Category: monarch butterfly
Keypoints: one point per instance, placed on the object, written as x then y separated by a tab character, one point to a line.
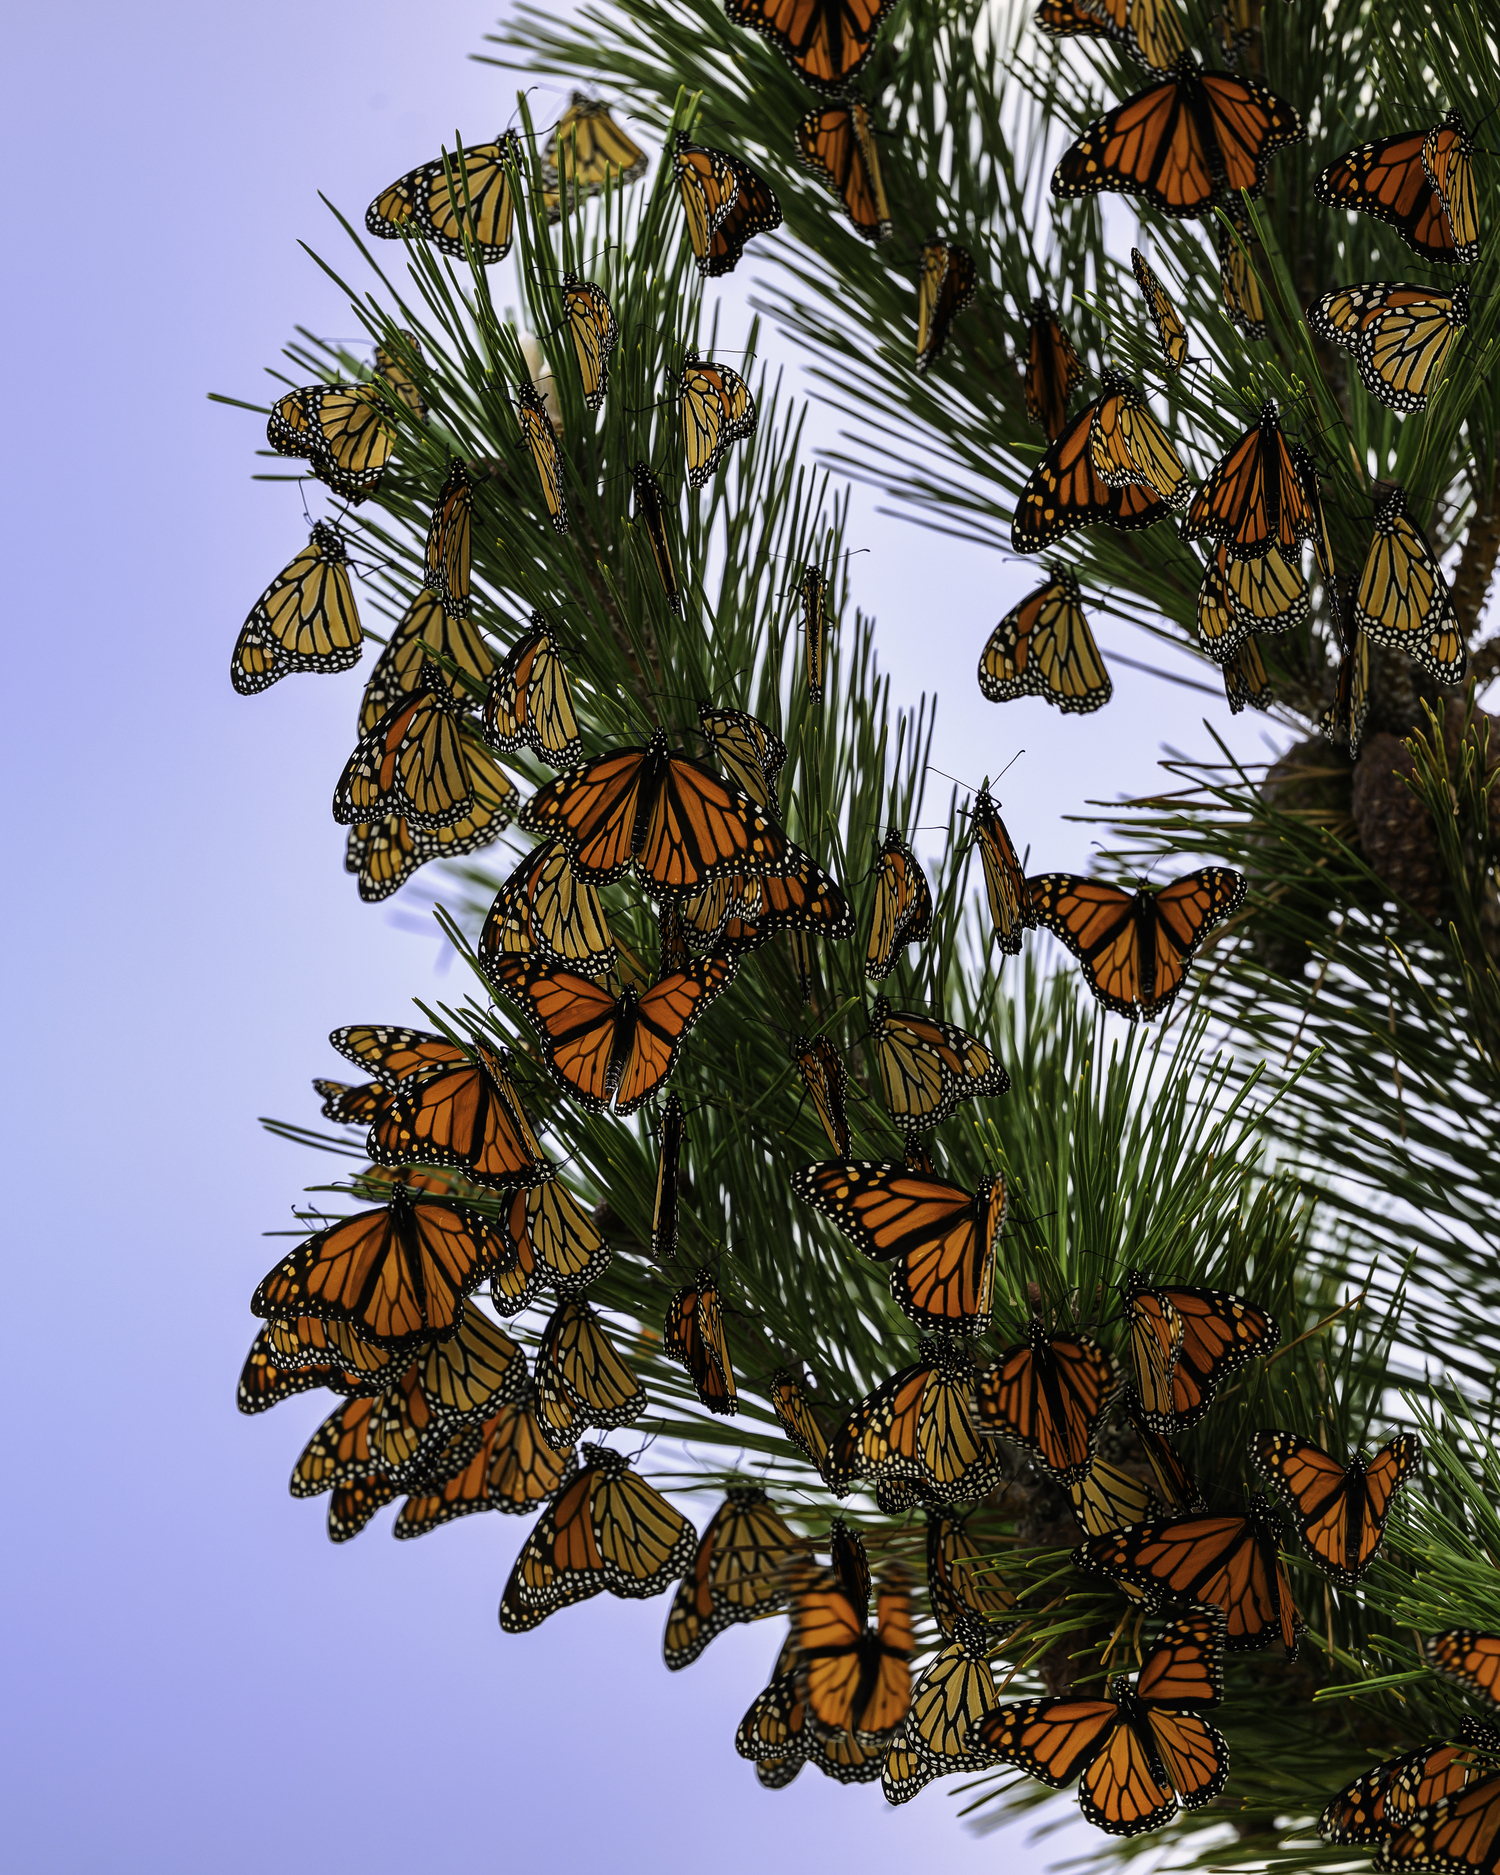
914	1435
1420	182
814	591
264	1383
775	1733
1175	1484
448	535
414	762
580	1379
946	283
901	910
405	1433
1237	597
1239	282
1043	648
394	1054
1171	333
1049	1396
1004	882
357	1366
790	1403
956	1691
546	458
467	1116
1464	1655
664	1210
1254	498
607	1529
1183	142
1053	370
938	1238
343	430
1065	492
1245	681
717	410
587	152
823	1074
1148	29
694	1335
1128	446
1399	335
828	41
305	620
462	203
746	750
927	1067
725	202
1403	600
385	853
954	1587
1106	1498
838	146
735	1576
651	510
1383	1799
1339	1511
671	816
606	1050
739	914
551	1241
1183	1342
1455	1832
530	701
514	1470
591	324
466	1378
393	362
425	631
1343	722
341	1451
1141	1752
1226	1562
544	908
854	1680
1135	947
397	1275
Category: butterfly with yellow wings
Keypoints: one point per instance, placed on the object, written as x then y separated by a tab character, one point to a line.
338	1456
1171	333
946	283
396	1275
1147	29
1141	1752
793	1409
1175	1484
1239	282
395	359
592	328
606	1530
1238	597
541	445
725	204
552	1242
746	750
1127	445
735	1576
1421	182
344	431
1340	1511
928	1067
1245	681
305	620
1386	1797
426	631
837	144
1184	1342
1254	498
580	1378
954	1694
463	203
1403	600
415	762
448	537
586	153
301	1341
1065	492
901	911
1470	1658
1108	1498
855	1679
651	512
530	701
1043	648
825	1077
913	1437
694	1335
1053	370
955	1586
938	1238
813	591
454	1383
468	1117
1135	947
1049	1396
513	1471
1398	335
383	854
1182	143
717	410
828	41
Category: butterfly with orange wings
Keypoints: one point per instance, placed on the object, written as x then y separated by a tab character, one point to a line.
1053	369
1227	1562
939	1239
530	701
855	1679
1044	648
1049	1396
1147	29
837	143
913	1436
1340	1512
793	1408
826	1079
1421	182
694	1335
1255	497
1135	947
1065	492
946	284
737	1574
1004	882
1384	1798
725	203
828	41
468	1117
514	1470
1184	1342
1471	1658
1456	1832
901	911
1182	144
552	1242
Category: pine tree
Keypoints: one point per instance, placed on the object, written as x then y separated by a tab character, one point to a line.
1316	1128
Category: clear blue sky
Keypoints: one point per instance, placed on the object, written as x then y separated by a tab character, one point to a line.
198	1680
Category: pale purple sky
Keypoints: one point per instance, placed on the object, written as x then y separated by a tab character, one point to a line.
198	1681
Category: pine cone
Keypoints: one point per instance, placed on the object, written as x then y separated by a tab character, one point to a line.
1395	829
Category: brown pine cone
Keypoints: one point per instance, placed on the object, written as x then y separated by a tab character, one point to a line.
1395	830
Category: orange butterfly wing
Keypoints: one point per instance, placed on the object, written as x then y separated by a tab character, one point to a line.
1049	1396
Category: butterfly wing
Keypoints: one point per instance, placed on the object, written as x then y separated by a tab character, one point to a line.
837	145
1107	1499
954	1585
1171	333
1100	925
1388	181
1044	648
828	41
1051	1740
1403	599
546	458
901	911
1184	913
1048	1396
305	620
651	510
663	1018
794	1411
1448	164
1053	371
580	1378
1152	145
466	203
717	410
1465	1655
